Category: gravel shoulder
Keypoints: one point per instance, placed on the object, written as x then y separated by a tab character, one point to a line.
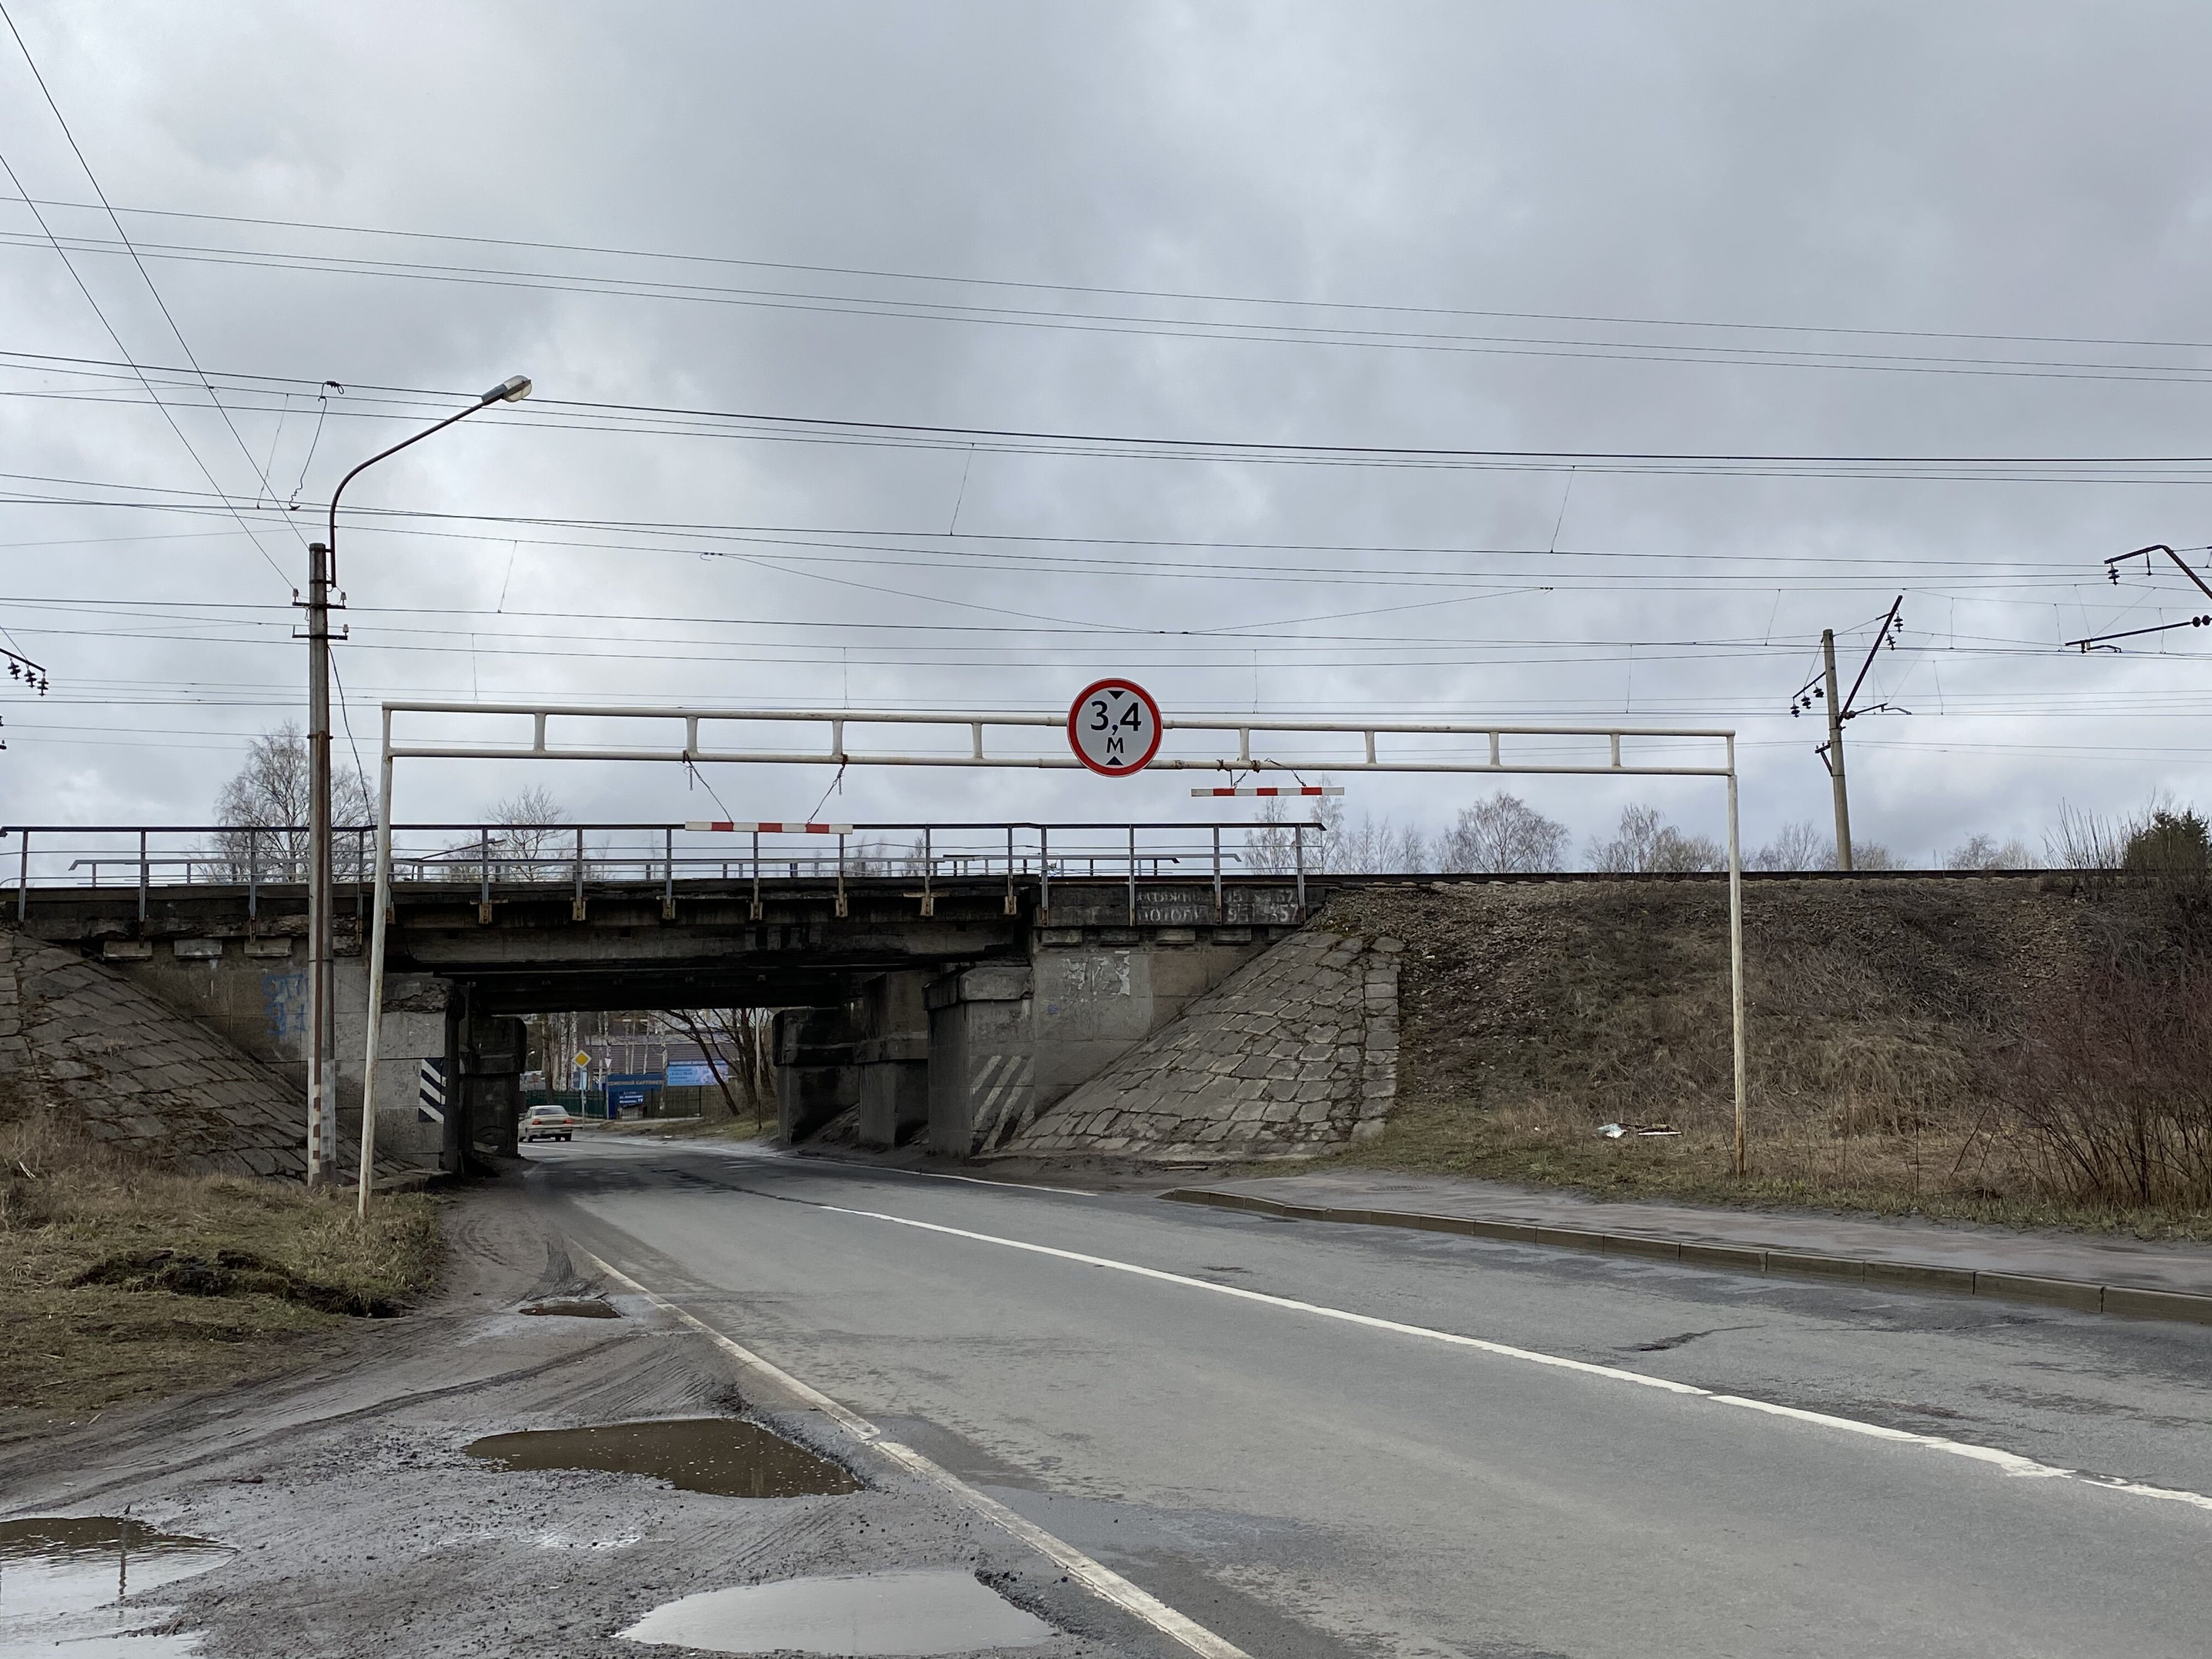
361	1527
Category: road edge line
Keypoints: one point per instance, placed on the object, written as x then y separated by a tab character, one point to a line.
1096	1577
2083	1296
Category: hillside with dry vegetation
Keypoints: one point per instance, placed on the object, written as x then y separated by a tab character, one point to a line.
2024	1049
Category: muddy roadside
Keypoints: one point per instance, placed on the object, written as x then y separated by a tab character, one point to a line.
354	1520
123	1281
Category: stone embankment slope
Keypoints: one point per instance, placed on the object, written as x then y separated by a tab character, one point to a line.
1295	1053
1880	1015
78	1038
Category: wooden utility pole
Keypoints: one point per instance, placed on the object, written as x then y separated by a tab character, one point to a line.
1836	752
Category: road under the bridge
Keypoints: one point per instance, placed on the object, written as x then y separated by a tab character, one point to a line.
1476	1461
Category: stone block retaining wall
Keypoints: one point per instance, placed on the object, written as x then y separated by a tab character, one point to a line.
1296	1053
77	1035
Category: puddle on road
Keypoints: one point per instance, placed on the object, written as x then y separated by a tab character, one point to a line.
77	1585
935	1611
578	1308
725	1456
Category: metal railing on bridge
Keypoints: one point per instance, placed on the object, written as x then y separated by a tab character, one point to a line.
74	858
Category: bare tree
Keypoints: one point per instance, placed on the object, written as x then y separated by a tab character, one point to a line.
1980	852
1267	845
735	1043
1799	846
1646	844
1796	845
1275	846
1376	847
1502	835
695	1031
873	855
269	792
530	840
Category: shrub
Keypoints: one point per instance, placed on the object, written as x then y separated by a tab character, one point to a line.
2169	843
2113	1084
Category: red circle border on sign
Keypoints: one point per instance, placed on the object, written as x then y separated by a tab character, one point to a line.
1159	727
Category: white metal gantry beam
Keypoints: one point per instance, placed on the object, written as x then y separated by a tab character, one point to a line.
974	728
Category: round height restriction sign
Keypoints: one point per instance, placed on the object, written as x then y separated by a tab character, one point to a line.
1114	728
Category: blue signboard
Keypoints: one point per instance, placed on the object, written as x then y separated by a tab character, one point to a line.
695	1073
626	1096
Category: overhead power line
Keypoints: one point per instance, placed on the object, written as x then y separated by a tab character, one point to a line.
810	432
1124	291
1672	348
905	543
145	275
82	287
672	420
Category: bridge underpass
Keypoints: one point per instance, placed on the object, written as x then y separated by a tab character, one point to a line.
948	989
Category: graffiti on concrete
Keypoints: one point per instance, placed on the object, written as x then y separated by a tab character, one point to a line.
285	998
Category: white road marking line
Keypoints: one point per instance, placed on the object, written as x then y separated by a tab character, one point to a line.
2011	1462
1096	1577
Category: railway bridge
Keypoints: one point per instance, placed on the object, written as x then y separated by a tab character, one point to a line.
942	980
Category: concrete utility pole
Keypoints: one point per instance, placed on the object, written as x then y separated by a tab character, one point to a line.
1836	752
1840	710
322	1107
322	1072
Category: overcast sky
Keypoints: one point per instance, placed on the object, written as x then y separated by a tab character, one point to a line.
1929	281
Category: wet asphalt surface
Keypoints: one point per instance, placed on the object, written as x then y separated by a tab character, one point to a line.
1303	1487
359	1527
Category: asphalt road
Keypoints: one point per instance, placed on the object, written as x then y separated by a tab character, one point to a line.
1306	1484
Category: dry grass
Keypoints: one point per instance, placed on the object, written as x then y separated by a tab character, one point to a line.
1885	1020
68	1206
723	1128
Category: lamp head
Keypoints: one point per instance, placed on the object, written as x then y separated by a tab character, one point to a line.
513	389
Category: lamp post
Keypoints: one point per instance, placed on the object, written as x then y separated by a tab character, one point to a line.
322	573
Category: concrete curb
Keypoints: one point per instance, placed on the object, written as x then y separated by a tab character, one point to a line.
2129	1301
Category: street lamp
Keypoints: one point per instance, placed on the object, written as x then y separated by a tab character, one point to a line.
322	571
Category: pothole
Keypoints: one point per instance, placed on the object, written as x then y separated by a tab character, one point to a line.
575	1308
77	1584
925	1612
725	1456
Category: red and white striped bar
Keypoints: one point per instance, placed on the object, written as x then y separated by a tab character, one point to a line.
1308	789
771	828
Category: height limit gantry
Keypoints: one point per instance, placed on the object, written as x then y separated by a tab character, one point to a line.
974	728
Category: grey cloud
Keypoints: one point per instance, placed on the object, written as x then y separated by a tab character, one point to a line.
2025	169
